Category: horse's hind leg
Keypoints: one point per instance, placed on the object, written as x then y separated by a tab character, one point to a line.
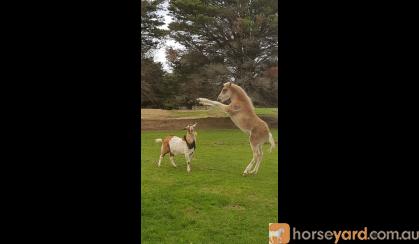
250	165
258	161
246	171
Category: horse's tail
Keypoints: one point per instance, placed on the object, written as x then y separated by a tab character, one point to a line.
271	141
158	140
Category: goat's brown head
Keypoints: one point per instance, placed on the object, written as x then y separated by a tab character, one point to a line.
191	129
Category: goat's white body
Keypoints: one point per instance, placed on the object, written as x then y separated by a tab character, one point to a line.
178	146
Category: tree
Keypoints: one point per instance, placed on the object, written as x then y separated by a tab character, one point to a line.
152	76
195	75
152	73
240	35
151	22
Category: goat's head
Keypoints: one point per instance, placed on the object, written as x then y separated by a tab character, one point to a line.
225	93
191	129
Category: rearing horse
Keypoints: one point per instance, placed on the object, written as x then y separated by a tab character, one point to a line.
242	113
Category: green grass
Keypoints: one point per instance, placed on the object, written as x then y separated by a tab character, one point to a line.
212	112
214	203
267	111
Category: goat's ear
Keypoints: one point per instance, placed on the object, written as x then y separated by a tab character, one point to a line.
194	124
228	84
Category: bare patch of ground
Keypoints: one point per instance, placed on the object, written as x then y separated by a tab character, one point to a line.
159	119
204	123
154	113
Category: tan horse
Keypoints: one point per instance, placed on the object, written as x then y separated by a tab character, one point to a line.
242	113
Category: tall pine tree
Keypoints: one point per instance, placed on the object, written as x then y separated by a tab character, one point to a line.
240	36
151	73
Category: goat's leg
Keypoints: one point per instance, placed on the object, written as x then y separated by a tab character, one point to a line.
163	151
188	162
172	160
160	159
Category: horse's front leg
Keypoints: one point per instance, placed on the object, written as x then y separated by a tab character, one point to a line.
216	104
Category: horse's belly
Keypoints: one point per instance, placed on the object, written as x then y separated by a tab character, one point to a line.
241	124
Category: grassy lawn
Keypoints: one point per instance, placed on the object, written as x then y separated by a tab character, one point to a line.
214	203
267	111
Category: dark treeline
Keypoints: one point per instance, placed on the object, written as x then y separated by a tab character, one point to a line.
223	40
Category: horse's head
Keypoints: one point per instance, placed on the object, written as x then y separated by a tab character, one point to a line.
225	93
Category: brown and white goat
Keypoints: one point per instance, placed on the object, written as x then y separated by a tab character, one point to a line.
175	145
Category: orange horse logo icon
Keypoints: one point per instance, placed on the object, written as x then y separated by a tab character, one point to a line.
279	233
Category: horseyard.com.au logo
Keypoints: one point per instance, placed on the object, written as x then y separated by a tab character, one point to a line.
279	233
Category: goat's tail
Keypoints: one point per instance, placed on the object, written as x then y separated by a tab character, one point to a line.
271	141
158	140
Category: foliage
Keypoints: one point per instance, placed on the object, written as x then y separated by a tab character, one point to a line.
150	23
227	40
152	73
223	40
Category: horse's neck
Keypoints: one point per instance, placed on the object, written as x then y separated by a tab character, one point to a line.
241	103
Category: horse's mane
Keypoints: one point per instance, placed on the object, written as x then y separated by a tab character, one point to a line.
242	95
